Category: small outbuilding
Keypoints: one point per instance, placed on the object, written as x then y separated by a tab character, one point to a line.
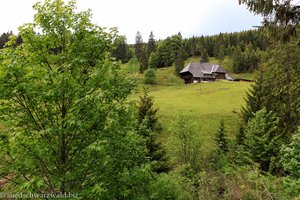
199	71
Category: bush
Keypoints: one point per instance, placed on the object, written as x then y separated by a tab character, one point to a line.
149	76
170	186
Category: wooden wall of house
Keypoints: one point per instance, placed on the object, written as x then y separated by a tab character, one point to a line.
188	77
220	75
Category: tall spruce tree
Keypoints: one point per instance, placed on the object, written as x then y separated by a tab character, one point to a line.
281	17
254	97
179	59
277	88
149	127
151	45
140	52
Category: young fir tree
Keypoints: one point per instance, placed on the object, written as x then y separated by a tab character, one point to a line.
149	76
221	138
263	140
240	137
153	61
204	56
148	127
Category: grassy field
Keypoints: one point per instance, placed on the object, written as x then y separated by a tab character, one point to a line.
205	103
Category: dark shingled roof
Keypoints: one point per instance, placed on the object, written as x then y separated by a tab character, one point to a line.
204	70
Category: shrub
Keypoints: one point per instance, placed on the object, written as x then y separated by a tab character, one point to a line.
149	76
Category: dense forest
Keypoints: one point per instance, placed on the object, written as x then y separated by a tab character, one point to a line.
243	47
68	126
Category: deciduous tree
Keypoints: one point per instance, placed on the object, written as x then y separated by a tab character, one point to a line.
66	127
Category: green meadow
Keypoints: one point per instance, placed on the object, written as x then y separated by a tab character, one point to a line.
205	103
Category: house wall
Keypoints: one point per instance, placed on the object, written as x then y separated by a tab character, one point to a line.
188	77
220	75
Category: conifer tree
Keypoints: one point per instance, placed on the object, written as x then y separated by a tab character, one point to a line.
277	88
291	156
120	49
204	56
263	140
151	45
179	59
221	53
238	60
240	137
149	76
140	52
4	38
149	128
254	97
221	138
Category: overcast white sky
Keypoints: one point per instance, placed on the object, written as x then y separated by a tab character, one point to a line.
163	17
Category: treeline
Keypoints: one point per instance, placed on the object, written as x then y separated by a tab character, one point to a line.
4	38
244	48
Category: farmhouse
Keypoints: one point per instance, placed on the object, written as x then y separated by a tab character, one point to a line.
199	71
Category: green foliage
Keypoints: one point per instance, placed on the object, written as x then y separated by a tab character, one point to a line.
149	76
290	159
4	38
171	187
153	61
179	60
277	88
221	53
291	156
238	60
168	49
66	125
221	138
263	140
254	98
121	50
140	52
147	111
151	45
132	65
204	56
186	145
225	43
247	183
240	136
281	17
149	128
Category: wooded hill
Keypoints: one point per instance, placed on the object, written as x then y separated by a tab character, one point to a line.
68	125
